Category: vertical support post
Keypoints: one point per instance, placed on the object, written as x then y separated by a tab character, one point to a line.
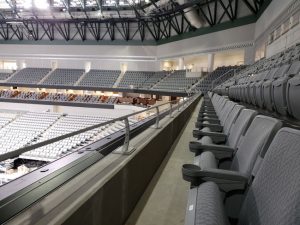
157	118
127	133
171	109
210	61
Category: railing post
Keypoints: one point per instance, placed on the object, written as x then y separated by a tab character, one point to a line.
178	107
157	118
127	133
171	110
125	149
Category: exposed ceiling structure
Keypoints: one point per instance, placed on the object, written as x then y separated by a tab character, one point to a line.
119	21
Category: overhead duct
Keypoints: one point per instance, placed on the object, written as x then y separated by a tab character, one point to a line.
192	15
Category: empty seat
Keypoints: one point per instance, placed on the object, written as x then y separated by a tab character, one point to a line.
273	197
267	87
279	88
243	152
293	93
259	100
221	137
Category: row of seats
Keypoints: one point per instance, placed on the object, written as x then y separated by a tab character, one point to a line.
100	78
20	130
29	75
220	74
176	81
4	75
135	79
64	97
273	86
163	80
245	169
63	77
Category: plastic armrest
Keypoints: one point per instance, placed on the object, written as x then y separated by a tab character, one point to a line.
216	136
220	151
210	120
227	180
212	126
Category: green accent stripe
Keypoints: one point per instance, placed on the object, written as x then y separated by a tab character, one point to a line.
207	30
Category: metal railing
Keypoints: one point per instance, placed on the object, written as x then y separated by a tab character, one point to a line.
125	118
224	77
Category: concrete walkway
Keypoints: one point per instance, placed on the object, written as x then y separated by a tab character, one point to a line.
164	201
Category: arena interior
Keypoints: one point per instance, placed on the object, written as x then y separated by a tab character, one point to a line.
149	112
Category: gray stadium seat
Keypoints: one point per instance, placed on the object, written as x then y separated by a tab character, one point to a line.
229	121
267	86
293	93
236	131
253	143
273	197
279	88
259	100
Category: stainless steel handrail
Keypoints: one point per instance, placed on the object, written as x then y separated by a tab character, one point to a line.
22	150
220	78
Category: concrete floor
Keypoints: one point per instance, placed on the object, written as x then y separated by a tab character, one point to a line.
164	201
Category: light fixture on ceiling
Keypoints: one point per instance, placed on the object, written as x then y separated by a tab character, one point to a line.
41	4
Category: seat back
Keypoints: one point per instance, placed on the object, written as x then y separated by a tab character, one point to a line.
279	89
240	126
232	117
255	141
274	196
227	110
281	71
257	93
292	96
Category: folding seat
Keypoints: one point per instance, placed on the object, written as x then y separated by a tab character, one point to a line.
237	129
241	152
249	87
259	100
292	96
214	110
218	137
252	87
267	87
244	89
279	88
217	124
272	198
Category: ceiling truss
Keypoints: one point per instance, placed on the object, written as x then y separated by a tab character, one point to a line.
161	24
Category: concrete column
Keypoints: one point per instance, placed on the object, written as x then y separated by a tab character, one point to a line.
181	63
249	55
21	64
210	62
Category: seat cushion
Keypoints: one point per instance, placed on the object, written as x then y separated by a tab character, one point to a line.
210	209
206	160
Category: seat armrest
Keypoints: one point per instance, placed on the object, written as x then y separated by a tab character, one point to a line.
227	180
212	126
220	151
209	119
216	136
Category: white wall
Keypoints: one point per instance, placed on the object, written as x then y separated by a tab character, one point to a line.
276	13
75	56
285	41
110	56
272	12
209	42
229	58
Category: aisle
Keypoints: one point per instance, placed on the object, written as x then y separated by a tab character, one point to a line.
165	199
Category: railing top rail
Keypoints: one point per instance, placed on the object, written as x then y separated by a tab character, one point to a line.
219	78
19	151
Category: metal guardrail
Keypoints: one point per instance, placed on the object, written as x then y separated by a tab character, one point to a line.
125	118
220	79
